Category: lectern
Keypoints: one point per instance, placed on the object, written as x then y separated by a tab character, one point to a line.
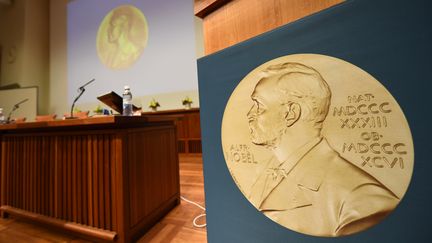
107	178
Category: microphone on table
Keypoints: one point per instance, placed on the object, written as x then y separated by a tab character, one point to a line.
16	106
81	90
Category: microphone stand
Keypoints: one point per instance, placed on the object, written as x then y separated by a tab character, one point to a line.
81	90
16	106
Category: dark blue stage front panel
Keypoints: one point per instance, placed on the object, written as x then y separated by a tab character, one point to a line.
391	40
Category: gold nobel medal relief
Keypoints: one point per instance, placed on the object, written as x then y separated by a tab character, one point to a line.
122	37
317	145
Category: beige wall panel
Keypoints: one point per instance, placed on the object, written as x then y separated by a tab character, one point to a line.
24	29
239	20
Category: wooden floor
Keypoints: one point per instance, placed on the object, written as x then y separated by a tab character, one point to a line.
175	227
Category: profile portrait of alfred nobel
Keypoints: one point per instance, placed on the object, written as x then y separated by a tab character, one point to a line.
307	186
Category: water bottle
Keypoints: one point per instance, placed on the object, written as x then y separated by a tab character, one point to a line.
127	102
2	117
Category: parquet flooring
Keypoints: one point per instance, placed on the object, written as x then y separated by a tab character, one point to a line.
176	227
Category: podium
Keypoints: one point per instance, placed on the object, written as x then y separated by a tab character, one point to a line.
106	178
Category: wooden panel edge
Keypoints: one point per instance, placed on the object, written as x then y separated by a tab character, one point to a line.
203	8
70	226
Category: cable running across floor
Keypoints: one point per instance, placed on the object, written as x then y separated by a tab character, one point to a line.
197	217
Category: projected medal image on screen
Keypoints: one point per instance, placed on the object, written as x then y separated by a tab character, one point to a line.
122	37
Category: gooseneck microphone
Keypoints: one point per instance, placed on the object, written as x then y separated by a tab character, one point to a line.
16	106
81	91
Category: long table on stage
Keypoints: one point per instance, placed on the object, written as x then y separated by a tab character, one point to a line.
107	178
